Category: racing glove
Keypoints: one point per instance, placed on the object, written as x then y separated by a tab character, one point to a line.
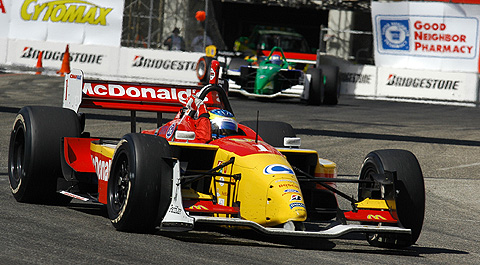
194	102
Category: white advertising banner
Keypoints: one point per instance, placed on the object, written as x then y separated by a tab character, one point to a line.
427	85
358	80
3	50
426	35
90	58
5	12
93	22
159	64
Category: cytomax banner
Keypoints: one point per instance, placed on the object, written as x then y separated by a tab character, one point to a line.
426	35
92	22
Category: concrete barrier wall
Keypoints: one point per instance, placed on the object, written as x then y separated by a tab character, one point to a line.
173	67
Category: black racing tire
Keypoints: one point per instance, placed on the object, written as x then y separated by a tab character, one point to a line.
272	132
332	84
34	153
317	90
140	183
203	69
408	203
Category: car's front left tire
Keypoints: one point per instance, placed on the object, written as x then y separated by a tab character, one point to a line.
140	183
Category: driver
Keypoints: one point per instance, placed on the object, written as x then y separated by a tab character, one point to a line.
223	123
276	59
217	123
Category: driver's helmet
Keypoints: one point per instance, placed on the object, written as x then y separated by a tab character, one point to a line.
276	59
223	123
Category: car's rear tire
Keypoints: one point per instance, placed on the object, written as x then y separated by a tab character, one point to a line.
317	90
140	183
332	84
272	132
203	69
409	201
34	163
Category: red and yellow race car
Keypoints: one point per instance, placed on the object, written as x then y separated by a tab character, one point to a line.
166	179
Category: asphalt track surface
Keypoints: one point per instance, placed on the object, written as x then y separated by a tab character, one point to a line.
445	139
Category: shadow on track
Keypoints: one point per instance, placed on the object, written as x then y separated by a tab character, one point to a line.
387	137
210	234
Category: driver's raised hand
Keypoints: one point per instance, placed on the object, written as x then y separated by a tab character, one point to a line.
194	102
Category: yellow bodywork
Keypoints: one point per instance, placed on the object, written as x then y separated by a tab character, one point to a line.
372	204
266	198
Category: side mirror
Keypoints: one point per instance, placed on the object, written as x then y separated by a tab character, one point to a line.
292	142
185	135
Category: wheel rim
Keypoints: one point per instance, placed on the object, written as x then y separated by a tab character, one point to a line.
121	182
370	190
201	69
17	158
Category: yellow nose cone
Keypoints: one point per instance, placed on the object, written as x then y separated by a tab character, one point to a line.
284	202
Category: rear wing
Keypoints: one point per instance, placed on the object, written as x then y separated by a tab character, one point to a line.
159	98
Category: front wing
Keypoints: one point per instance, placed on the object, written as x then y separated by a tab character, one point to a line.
177	219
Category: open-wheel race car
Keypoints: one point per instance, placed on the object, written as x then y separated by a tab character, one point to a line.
164	178
276	76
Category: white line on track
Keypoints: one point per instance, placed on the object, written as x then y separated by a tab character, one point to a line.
461	166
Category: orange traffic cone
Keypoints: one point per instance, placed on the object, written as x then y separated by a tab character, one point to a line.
39	64
65	63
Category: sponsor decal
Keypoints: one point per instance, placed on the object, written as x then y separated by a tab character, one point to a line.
170	131
376	217
66	193
76	57
431	37
288	180
277	169
429	83
288	185
295	197
222	181
296	204
356	78
212	74
175	209
395	34
177	65
198	207
291	190
102	166
2	7
138	92
66	11
79	77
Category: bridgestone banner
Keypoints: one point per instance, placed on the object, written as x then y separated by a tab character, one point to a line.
167	65
95	59
426	85
94	22
359	80
426	35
